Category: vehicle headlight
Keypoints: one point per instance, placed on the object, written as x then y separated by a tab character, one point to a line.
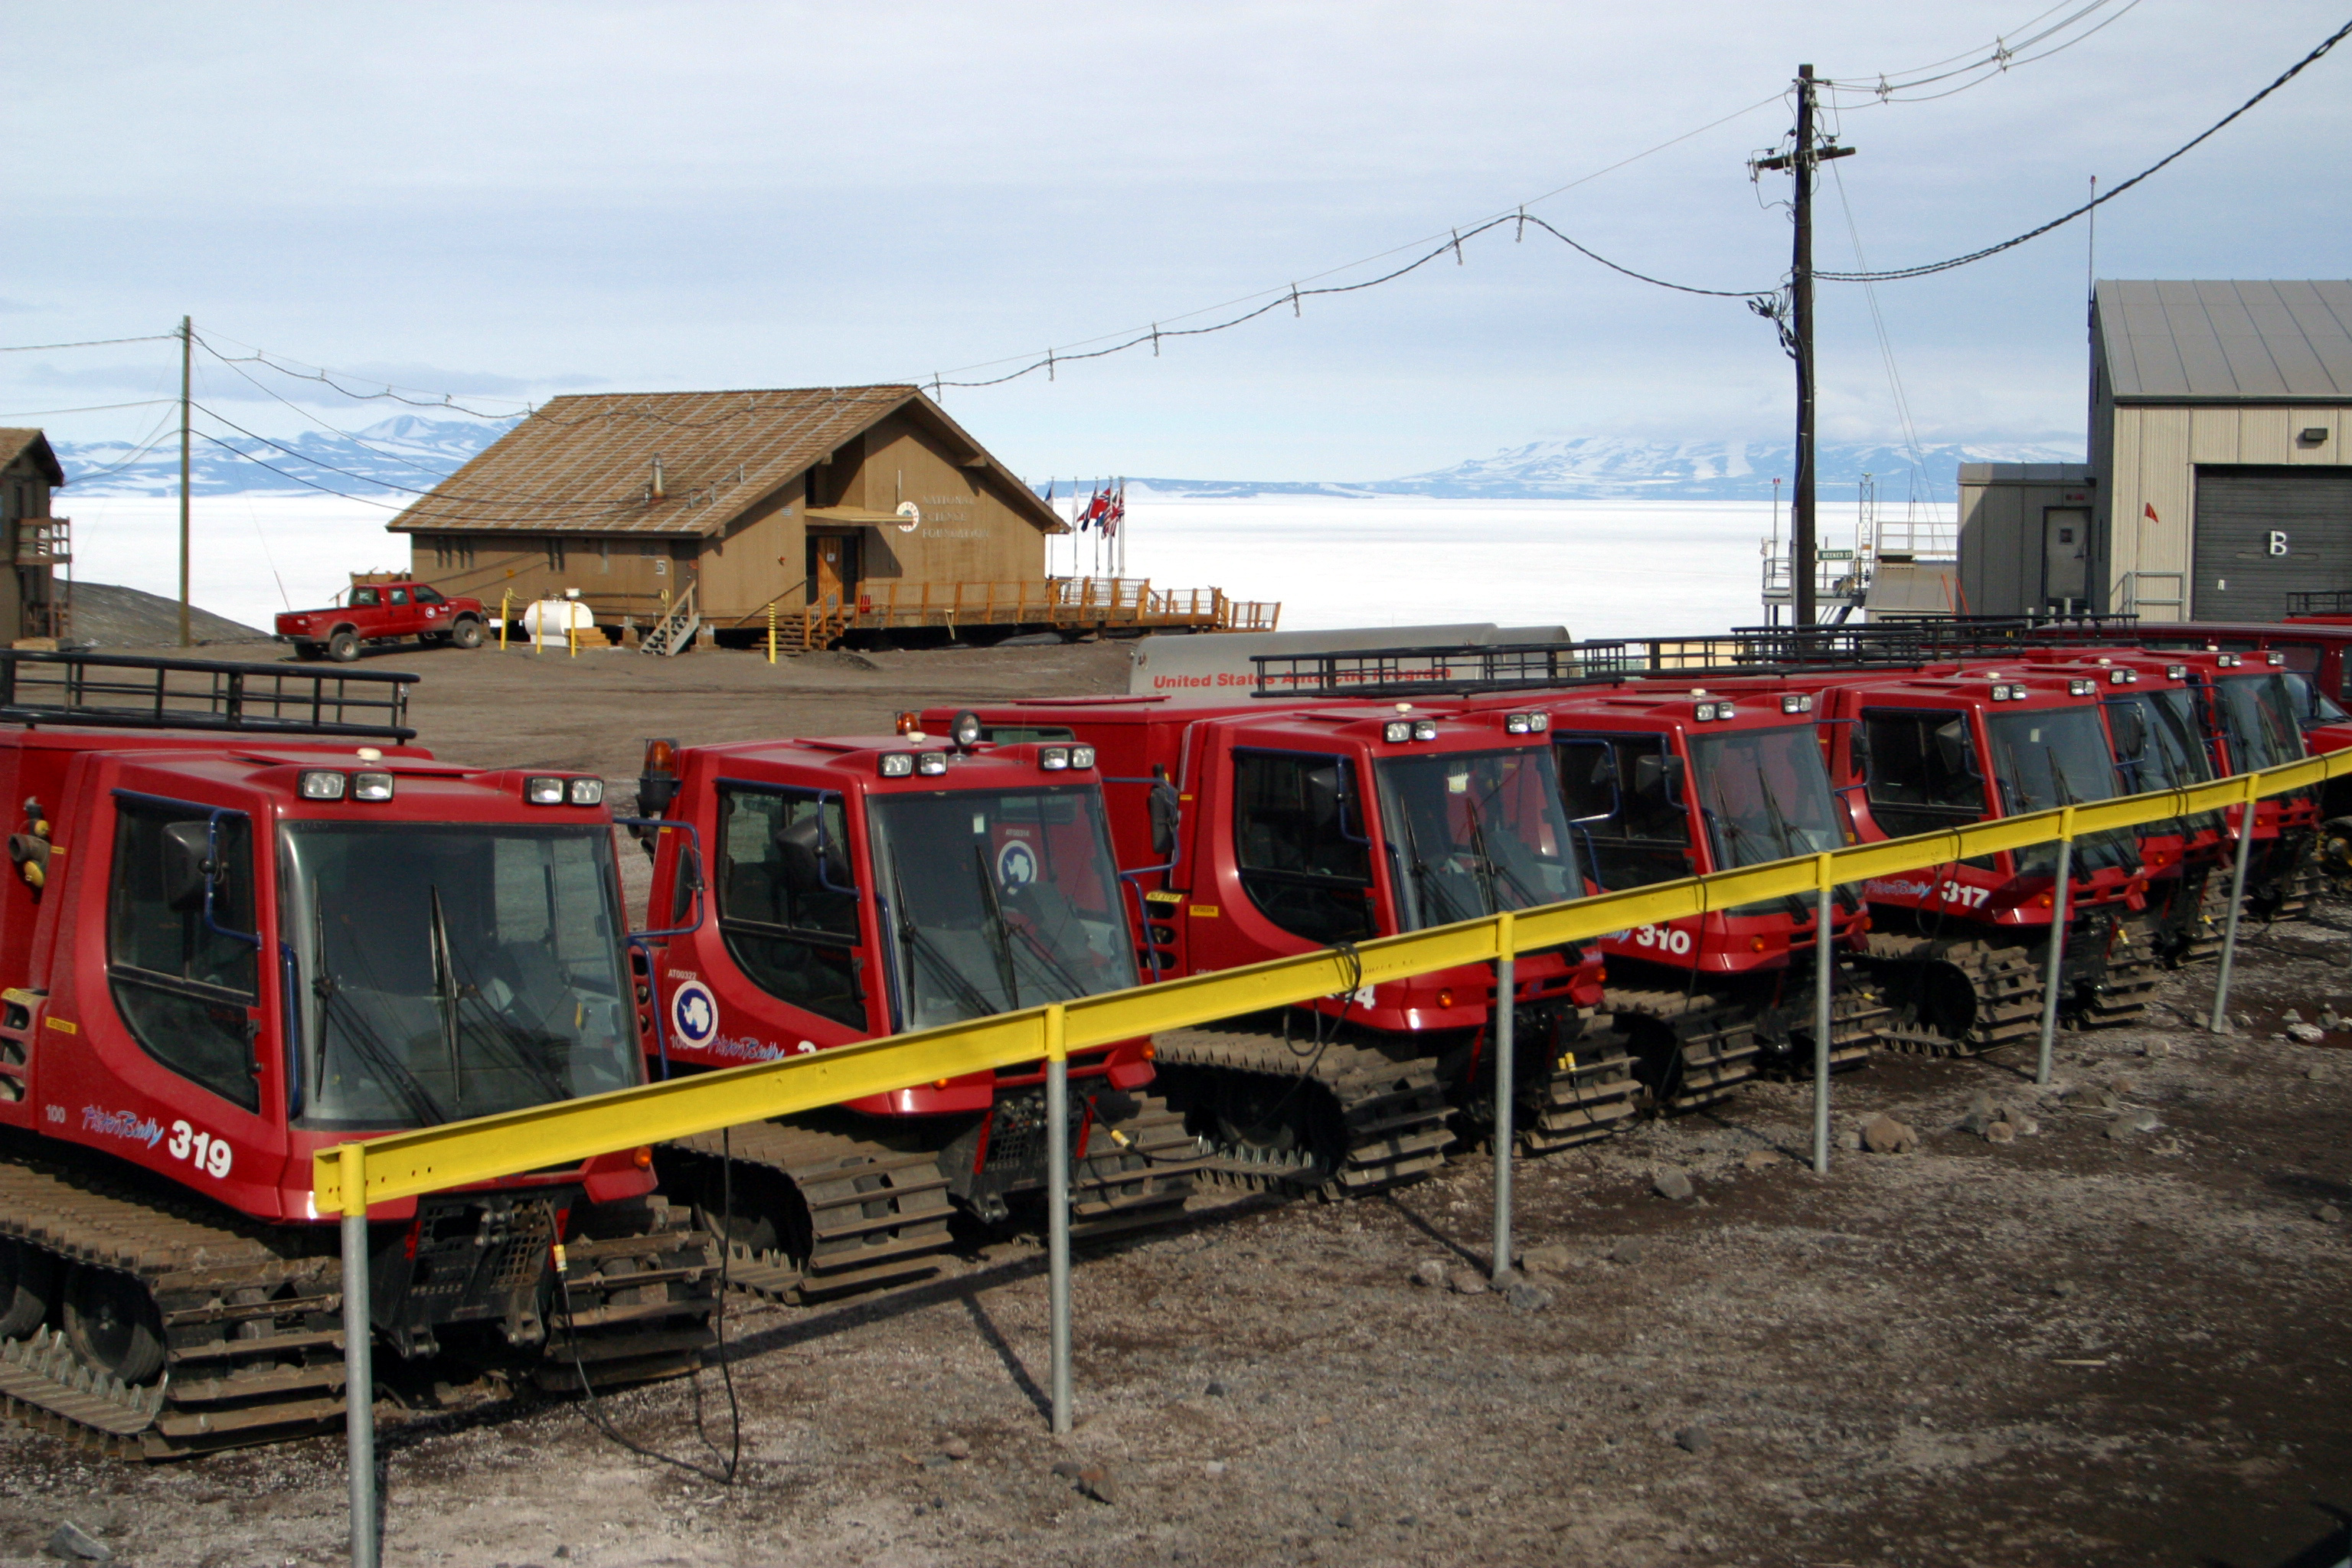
587	792
318	783
1082	756
1526	724
897	765
1054	759
931	763
1396	732
2082	687
1425	729
543	791
370	786
1797	702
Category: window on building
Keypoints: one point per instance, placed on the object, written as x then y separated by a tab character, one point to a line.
185	985
555	556
453	550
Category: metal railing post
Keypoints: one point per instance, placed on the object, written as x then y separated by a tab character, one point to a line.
1825	972
2057	967
1057	1204
503	601
359	1360
2219	1022
1505	1025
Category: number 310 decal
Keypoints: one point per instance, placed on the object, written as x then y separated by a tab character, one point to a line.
1664	938
207	1154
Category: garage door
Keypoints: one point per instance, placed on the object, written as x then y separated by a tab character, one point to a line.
2263	533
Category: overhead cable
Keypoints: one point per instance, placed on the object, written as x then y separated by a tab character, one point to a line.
87	343
2001	55
1921	272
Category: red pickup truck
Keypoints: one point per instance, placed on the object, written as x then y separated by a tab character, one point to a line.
382	612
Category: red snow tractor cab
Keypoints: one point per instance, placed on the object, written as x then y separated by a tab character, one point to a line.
1253	832
245	922
814	892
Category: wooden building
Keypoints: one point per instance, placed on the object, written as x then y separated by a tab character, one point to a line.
841	511
31	603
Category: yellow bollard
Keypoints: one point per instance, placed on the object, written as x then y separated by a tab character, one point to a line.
771	631
571	633
502	618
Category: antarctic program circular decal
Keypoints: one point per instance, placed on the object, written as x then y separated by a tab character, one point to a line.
1016	864
694	1013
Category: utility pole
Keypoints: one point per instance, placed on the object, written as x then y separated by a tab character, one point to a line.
1801	161
187	358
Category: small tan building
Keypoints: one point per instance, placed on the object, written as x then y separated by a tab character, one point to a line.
37	542
842	510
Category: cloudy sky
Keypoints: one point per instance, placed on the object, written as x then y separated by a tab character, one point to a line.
505	202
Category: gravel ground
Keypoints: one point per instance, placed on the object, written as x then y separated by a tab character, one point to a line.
2086	1344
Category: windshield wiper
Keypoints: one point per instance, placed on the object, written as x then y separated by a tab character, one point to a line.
1424	879
334	1008
1004	939
914	946
445	992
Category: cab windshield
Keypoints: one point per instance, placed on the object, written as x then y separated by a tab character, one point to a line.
1471	834
2157	747
992	900
2258	717
1764	794
2053	758
438	972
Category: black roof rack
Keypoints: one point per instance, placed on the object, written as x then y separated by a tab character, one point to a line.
1468	670
2320	602
124	691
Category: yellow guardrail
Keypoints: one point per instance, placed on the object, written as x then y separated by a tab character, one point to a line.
408	1164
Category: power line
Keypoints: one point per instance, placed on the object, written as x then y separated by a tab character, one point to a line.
325	377
92	408
1922	271
2000	55
87	343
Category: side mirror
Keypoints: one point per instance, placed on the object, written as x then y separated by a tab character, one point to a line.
1165	810
1952	745
1659	775
2128	726
187	868
1858	751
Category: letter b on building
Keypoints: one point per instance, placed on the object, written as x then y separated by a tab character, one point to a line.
2278	541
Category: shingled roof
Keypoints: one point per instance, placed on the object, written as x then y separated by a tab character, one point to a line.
583	464
19	443
2226	342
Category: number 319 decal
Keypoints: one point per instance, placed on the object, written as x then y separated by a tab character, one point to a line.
206	1152
1960	893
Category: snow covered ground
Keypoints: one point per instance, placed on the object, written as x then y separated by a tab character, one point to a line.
242	549
1602	568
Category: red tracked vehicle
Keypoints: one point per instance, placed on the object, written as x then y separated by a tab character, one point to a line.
1661	781
1958	950
1255	831
814	892
224	952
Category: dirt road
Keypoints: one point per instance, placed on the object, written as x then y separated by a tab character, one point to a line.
2087	1345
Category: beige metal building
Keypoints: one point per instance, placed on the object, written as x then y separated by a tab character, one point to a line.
2220	480
2025	537
840	510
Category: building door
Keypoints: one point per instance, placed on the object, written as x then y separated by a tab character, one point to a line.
2065	556
2260	533
832	569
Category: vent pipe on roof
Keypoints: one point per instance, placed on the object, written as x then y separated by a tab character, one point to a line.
661	493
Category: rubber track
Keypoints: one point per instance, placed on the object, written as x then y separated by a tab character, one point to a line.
2006	982
253	1316
1589	1096
1389	1100
880	1215
1120	1187
1718	1050
2133	968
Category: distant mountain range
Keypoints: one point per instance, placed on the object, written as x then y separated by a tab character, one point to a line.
410	454
383	462
1611	468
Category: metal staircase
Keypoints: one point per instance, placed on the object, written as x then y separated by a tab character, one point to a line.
675	632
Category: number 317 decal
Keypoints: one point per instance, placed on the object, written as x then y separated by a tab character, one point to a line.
1960	893
207	1154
